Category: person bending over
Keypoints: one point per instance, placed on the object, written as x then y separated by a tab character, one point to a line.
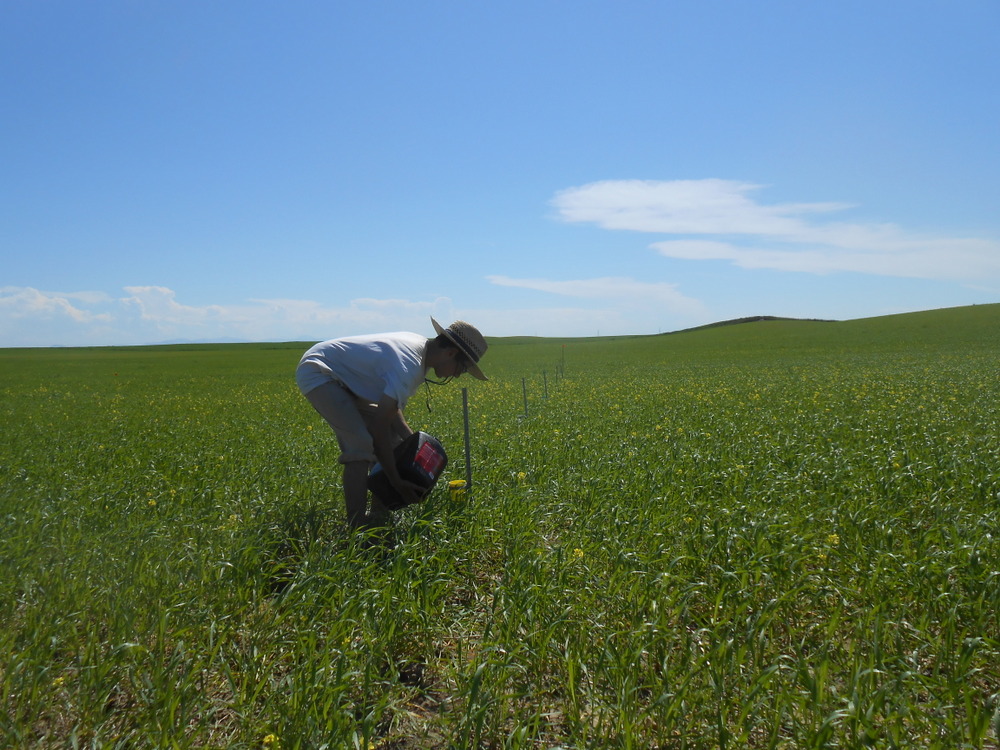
360	386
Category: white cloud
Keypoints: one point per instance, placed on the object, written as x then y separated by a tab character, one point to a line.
31	317
18	303
785	237
555	321
159	304
617	288
615	305
682	207
153	314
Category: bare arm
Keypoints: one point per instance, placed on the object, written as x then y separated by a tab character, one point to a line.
401	427
388	421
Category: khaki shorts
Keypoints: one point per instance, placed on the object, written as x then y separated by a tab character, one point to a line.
351	419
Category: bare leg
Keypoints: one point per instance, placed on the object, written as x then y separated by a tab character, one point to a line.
356	492
379	514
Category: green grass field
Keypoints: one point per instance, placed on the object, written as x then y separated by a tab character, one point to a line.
780	534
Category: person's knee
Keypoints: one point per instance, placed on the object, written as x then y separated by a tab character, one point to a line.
359	455
357	467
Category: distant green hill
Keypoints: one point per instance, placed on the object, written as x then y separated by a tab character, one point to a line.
974	326
951	331
974	323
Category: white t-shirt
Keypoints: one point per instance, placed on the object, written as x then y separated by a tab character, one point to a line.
370	366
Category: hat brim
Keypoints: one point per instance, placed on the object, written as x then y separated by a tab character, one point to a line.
472	368
474	371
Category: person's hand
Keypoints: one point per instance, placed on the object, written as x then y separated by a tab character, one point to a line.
411	492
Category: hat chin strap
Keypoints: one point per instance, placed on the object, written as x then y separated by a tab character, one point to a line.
428	390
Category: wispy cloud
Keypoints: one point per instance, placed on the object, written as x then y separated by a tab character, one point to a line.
153	314
784	236
25	303
619	289
682	207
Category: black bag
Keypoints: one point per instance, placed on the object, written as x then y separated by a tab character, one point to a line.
420	459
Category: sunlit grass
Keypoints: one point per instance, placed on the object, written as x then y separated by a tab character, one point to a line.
781	537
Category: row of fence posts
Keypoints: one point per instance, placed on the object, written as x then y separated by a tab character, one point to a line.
560	372
459	488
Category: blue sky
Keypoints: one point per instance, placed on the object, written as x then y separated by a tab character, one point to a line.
296	171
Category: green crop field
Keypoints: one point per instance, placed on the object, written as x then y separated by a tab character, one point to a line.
778	534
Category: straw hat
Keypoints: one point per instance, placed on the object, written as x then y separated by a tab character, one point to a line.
469	341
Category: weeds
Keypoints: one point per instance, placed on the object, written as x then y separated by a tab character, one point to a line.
716	542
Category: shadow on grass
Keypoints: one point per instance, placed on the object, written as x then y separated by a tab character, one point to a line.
271	552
